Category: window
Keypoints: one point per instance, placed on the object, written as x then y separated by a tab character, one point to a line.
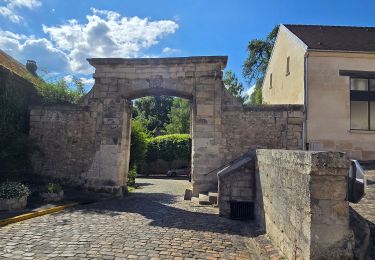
271	80
287	66
362	104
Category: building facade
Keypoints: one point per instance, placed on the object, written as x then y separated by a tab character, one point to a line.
331	71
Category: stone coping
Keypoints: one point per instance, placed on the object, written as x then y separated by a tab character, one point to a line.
266	107
159	61
317	160
60	107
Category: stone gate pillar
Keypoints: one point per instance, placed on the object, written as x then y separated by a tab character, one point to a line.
108	171
206	134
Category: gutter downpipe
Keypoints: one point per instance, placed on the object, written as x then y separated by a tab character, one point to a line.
305	103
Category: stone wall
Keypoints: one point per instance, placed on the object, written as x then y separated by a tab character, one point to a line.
66	136
222	128
16	94
302	203
260	126
162	167
236	183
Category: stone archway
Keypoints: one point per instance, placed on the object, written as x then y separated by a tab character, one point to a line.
88	144
117	81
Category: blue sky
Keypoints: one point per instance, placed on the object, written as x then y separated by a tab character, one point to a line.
60	35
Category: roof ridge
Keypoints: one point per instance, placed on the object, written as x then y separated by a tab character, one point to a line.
331	26
13	59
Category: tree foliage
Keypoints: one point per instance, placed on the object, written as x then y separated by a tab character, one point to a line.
233	85
153	112
59	91
255	65
179	117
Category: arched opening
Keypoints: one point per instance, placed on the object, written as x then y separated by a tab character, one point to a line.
160	144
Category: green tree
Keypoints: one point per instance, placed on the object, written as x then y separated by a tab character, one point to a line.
153	112
179	117
58	90
233	85
255	66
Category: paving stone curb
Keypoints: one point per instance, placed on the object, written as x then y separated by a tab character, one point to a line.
35	214
26	216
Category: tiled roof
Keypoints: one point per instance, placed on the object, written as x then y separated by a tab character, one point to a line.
335	38
12	64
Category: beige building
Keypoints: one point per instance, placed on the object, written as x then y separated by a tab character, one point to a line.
330	70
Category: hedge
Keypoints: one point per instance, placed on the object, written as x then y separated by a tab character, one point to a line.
169	147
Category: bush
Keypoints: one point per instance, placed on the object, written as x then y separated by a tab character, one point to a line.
12	190
138	145
53	188
169	147
59	90
131	176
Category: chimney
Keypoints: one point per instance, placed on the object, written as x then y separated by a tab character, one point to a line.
32	67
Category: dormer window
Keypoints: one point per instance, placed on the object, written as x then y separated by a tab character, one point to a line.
287	66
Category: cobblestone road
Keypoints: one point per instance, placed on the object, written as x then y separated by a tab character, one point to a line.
152	223
366	208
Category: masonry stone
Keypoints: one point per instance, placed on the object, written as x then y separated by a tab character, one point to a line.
302	204
89	144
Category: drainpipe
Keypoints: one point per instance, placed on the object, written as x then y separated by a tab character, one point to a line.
305	103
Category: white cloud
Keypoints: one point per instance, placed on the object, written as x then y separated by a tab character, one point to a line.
30	4
170	51
105	34
9	10
87	81
68	78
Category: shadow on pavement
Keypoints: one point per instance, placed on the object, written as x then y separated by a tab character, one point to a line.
158	208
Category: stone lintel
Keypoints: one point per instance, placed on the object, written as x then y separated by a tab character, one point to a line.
160	61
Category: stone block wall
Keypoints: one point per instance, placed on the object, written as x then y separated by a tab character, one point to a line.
302	203
162	167
222	128
66	137
236	184
246	127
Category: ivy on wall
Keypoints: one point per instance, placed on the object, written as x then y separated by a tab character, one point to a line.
16	95
15	146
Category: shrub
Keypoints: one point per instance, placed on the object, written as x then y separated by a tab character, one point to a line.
138	145
11	190
131	176
169	147
59	90
53	188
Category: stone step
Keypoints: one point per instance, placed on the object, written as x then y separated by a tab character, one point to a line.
195	200
204	199
212	196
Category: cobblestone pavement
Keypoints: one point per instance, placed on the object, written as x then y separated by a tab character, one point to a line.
366	208
152	223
